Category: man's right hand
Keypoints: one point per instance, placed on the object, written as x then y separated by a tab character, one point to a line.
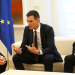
17	50
2	60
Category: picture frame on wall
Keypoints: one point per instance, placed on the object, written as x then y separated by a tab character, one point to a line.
18	13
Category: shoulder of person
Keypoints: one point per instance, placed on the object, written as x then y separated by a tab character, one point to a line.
46	26
26	28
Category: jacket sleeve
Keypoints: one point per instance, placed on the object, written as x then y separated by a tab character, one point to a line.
49	43
24	41
73	51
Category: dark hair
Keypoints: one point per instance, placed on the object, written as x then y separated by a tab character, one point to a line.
34	13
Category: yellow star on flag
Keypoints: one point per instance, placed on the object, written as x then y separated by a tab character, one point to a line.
2	21
8	22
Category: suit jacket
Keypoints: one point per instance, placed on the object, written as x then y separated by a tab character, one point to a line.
73	51
47	41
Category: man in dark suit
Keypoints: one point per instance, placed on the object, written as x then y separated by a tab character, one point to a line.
3	63
42	50
70	61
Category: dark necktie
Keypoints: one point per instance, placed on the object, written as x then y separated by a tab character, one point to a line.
36	45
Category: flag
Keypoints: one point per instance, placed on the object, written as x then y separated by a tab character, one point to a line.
6	24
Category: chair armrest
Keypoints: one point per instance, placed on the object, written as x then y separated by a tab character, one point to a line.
17	44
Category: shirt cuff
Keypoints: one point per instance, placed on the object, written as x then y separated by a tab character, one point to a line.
41	53
20	52
74	54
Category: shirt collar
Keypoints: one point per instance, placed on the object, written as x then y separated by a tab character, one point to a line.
38	30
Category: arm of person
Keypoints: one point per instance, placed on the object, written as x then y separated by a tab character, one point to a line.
48	40
25	40
73	51
22	48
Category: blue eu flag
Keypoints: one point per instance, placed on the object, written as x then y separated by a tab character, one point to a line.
6	24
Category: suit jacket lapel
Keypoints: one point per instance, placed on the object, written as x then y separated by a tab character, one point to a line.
41	32
31	37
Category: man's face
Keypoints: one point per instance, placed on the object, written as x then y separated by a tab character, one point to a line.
32	23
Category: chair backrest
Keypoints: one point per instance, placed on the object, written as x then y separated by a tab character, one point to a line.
17	44
64	45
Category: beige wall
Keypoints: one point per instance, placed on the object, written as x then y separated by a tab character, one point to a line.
55	16
43	7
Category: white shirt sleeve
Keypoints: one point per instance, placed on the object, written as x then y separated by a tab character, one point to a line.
20	52
41	53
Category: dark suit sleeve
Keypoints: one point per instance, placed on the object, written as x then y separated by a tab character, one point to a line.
2	54
24	41
48	41
73	51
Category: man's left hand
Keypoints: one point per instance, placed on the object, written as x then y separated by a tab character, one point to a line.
33	49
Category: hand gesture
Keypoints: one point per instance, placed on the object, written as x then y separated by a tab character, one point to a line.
17	50
33	49
2	60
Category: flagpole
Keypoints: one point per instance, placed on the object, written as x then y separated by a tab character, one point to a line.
7	60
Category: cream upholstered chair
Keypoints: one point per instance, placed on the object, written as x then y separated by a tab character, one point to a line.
64	47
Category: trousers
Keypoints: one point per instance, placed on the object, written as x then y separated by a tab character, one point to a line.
69	63
47	60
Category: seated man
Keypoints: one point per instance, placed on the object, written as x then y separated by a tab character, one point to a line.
38	44
3	63
70	61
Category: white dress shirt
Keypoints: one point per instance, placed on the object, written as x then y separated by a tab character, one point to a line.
38	39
